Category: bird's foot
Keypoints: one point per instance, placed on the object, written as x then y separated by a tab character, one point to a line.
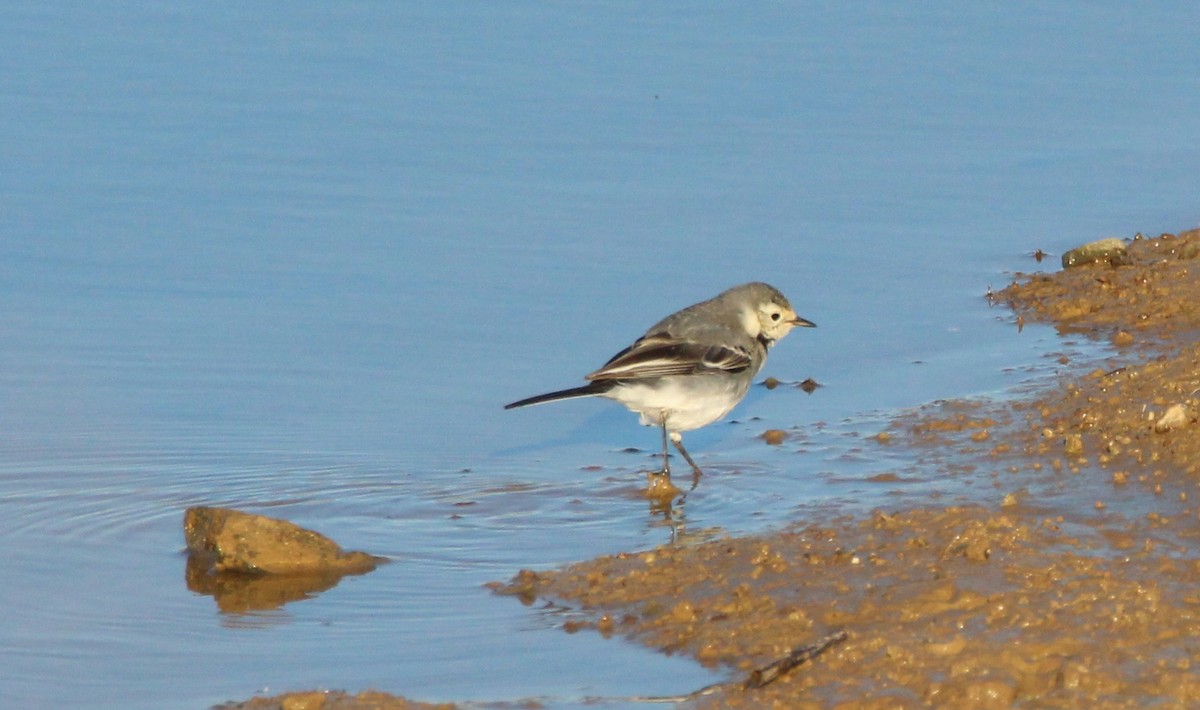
659	486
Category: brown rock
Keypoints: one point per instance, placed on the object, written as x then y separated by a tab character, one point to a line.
774	437
233	541
1111	250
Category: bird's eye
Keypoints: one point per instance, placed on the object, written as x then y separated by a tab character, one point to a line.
775	316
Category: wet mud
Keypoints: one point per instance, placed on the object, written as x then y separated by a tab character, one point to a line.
1073	582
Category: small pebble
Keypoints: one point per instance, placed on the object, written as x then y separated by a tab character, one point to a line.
1073	445
1175	417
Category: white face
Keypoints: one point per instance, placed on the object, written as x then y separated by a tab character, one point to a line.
776	320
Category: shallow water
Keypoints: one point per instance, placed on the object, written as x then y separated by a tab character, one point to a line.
296	263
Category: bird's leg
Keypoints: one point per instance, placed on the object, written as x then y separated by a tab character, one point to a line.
666	456
659	482
677	438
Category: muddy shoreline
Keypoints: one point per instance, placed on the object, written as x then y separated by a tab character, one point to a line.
1040	600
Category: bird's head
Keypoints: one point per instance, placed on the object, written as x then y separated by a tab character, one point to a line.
776	319
770	316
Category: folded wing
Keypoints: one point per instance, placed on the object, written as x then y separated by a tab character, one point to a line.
659	355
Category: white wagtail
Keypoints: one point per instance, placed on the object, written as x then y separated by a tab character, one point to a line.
694	366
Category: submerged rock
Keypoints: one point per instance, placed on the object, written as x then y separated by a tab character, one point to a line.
1111	250
227	540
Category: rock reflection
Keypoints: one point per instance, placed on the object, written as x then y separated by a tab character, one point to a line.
241	592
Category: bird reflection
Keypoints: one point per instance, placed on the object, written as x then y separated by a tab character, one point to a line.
667	503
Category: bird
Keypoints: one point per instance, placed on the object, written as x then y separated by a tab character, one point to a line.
692	367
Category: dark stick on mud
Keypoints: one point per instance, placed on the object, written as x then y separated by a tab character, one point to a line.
759	677
768	674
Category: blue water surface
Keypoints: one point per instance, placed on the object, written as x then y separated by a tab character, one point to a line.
294	258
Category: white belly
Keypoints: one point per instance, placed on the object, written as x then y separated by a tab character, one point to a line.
685	402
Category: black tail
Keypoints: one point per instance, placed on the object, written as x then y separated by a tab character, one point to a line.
589	390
